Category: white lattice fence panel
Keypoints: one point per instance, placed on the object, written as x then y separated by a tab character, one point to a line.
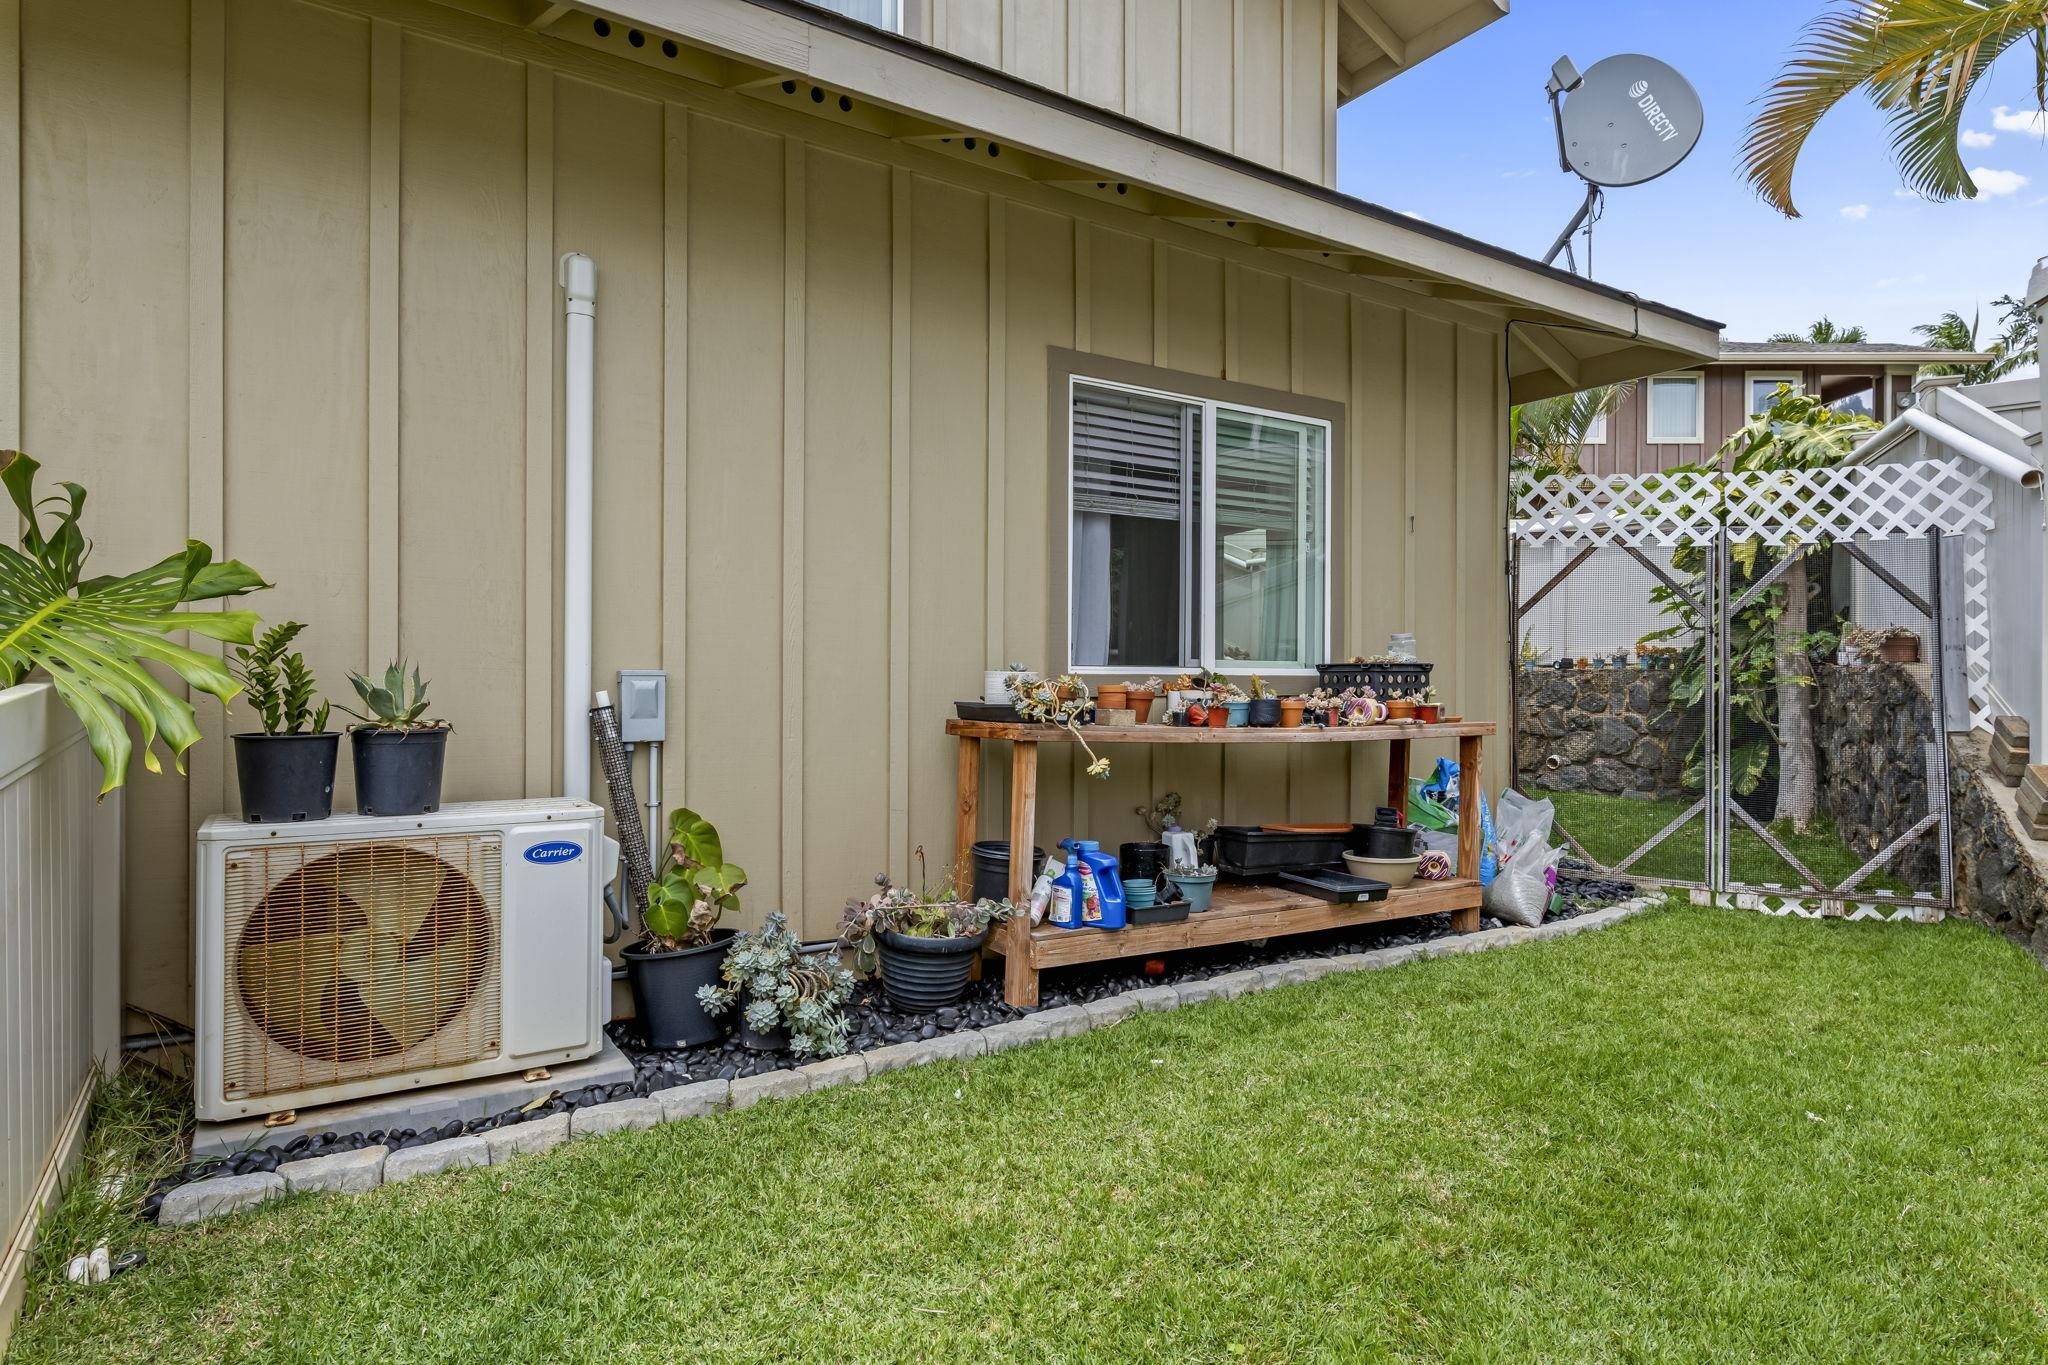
1637	510
1811	905
1977	625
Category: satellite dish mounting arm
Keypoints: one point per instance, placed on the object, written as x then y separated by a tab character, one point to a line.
1564	239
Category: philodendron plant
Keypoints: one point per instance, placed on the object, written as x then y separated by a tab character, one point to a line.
93	636
277	684
696	887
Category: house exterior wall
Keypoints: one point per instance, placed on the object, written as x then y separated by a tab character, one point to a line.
1254	77
288	288
1628	449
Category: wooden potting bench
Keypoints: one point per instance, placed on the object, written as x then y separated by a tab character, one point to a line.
1238	911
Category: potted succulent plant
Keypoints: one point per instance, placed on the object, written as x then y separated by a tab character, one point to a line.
1400	707
788	997
923	942
1196	883
1112	697
1292	709
1140	696
1233	701
1264	708
286	769
683	950
1428	708
399	751
1059	702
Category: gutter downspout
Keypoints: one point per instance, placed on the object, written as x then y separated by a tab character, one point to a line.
577	275
2037	299
1955	438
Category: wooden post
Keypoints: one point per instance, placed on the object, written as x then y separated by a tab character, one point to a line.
1397	777
967	818
1020	975
1471	790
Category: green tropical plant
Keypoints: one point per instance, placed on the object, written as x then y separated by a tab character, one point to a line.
397	703
1822	333
1918	60
2017	344
277	685
95	637
1547	434
784	987
697	885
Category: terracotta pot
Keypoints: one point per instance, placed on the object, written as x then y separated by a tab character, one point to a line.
1109	697
1141	702
1196	713
1901	649
1428	712
1290	712
1068	693
1400	708
1219	715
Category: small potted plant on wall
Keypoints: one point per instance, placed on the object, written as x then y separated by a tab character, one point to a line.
923	942
1061	702
1196	883
787	997
399	751
1140	696
683	950
285	770
1264	710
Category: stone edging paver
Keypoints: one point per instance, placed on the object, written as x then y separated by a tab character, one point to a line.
353	1172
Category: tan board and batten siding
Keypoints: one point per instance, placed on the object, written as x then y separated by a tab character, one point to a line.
288	287
1254	77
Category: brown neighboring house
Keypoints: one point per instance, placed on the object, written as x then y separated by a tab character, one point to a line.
1683	417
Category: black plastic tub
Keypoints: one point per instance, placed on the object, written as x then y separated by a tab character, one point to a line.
286	778
925	974
1137	862
992	868
1248	851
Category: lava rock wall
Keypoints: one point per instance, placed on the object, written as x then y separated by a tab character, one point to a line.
1609	730
1999	871
1873	723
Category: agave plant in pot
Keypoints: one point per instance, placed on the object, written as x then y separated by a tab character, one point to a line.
286	769
793	998
399	751
683	951
924	942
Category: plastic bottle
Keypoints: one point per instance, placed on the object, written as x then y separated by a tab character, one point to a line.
1106	909
1041	890
1063	908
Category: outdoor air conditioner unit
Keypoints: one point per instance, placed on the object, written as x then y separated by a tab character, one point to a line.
362	955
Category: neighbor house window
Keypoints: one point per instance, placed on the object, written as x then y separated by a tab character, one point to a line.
1199	533
1677	409
886	14
1763	389
1596	431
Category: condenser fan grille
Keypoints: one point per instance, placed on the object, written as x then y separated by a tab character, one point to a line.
349	961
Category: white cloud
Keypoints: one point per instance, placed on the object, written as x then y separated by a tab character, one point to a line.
1973	138
1855	213
1996	184
1516	175
2020	121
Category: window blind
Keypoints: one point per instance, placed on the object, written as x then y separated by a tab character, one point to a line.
1132	454
1674	409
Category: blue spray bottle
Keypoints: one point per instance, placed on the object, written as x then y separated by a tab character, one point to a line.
1101	896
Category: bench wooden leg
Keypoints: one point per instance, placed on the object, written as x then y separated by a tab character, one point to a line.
1020	974
1471	791
1397	777
967	818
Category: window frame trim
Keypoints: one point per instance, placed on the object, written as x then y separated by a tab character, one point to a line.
1067	368
1698	379
1795	378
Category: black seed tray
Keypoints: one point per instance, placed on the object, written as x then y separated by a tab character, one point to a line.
1248	851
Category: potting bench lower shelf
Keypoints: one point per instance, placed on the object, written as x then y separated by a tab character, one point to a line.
1239	911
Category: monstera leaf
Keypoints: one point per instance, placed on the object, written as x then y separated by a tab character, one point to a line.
94	637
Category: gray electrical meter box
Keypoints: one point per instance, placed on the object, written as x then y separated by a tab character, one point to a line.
643	705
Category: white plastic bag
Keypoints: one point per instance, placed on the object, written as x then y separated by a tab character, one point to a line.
1520	894
1523	824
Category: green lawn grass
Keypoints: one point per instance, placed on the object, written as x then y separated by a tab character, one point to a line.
1612	827
1699	1135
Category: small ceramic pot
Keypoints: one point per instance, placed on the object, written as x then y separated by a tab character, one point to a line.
1428	712
1110	697
1216	715
1141	702
1197	891
1400	708
1901	649
1237	713
1263	712
1291	709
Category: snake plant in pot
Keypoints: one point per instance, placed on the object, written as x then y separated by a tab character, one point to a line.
286	769
399	752
93	636
683	951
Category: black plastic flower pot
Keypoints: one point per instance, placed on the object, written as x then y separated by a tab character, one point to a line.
398	772
924	974
1265	711
992	868
286	777
753	1040
665	987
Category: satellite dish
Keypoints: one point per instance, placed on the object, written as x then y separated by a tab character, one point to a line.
1627	120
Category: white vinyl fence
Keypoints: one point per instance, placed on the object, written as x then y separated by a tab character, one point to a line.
60	997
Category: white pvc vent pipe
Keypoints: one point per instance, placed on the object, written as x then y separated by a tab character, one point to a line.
577	274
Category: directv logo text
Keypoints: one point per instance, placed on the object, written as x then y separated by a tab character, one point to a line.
1660	122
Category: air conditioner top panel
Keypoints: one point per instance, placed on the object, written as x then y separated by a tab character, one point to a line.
452	818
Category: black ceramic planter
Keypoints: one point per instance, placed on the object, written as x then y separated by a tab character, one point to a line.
665	987
925	974
398	772
1264	711
286	777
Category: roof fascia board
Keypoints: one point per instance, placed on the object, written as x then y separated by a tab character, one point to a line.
1453	28
1854	359
823	47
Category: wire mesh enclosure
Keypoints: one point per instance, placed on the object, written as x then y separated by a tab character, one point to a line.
1742	683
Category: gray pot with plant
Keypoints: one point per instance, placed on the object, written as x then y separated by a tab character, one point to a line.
789	994
923	942
399	752
286	770
683	952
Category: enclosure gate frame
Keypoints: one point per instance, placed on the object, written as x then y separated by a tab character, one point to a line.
1934	500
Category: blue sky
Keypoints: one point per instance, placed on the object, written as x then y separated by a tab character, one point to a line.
1465	140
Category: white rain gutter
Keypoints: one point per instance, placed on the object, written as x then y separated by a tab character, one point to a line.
577	275
2006	466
